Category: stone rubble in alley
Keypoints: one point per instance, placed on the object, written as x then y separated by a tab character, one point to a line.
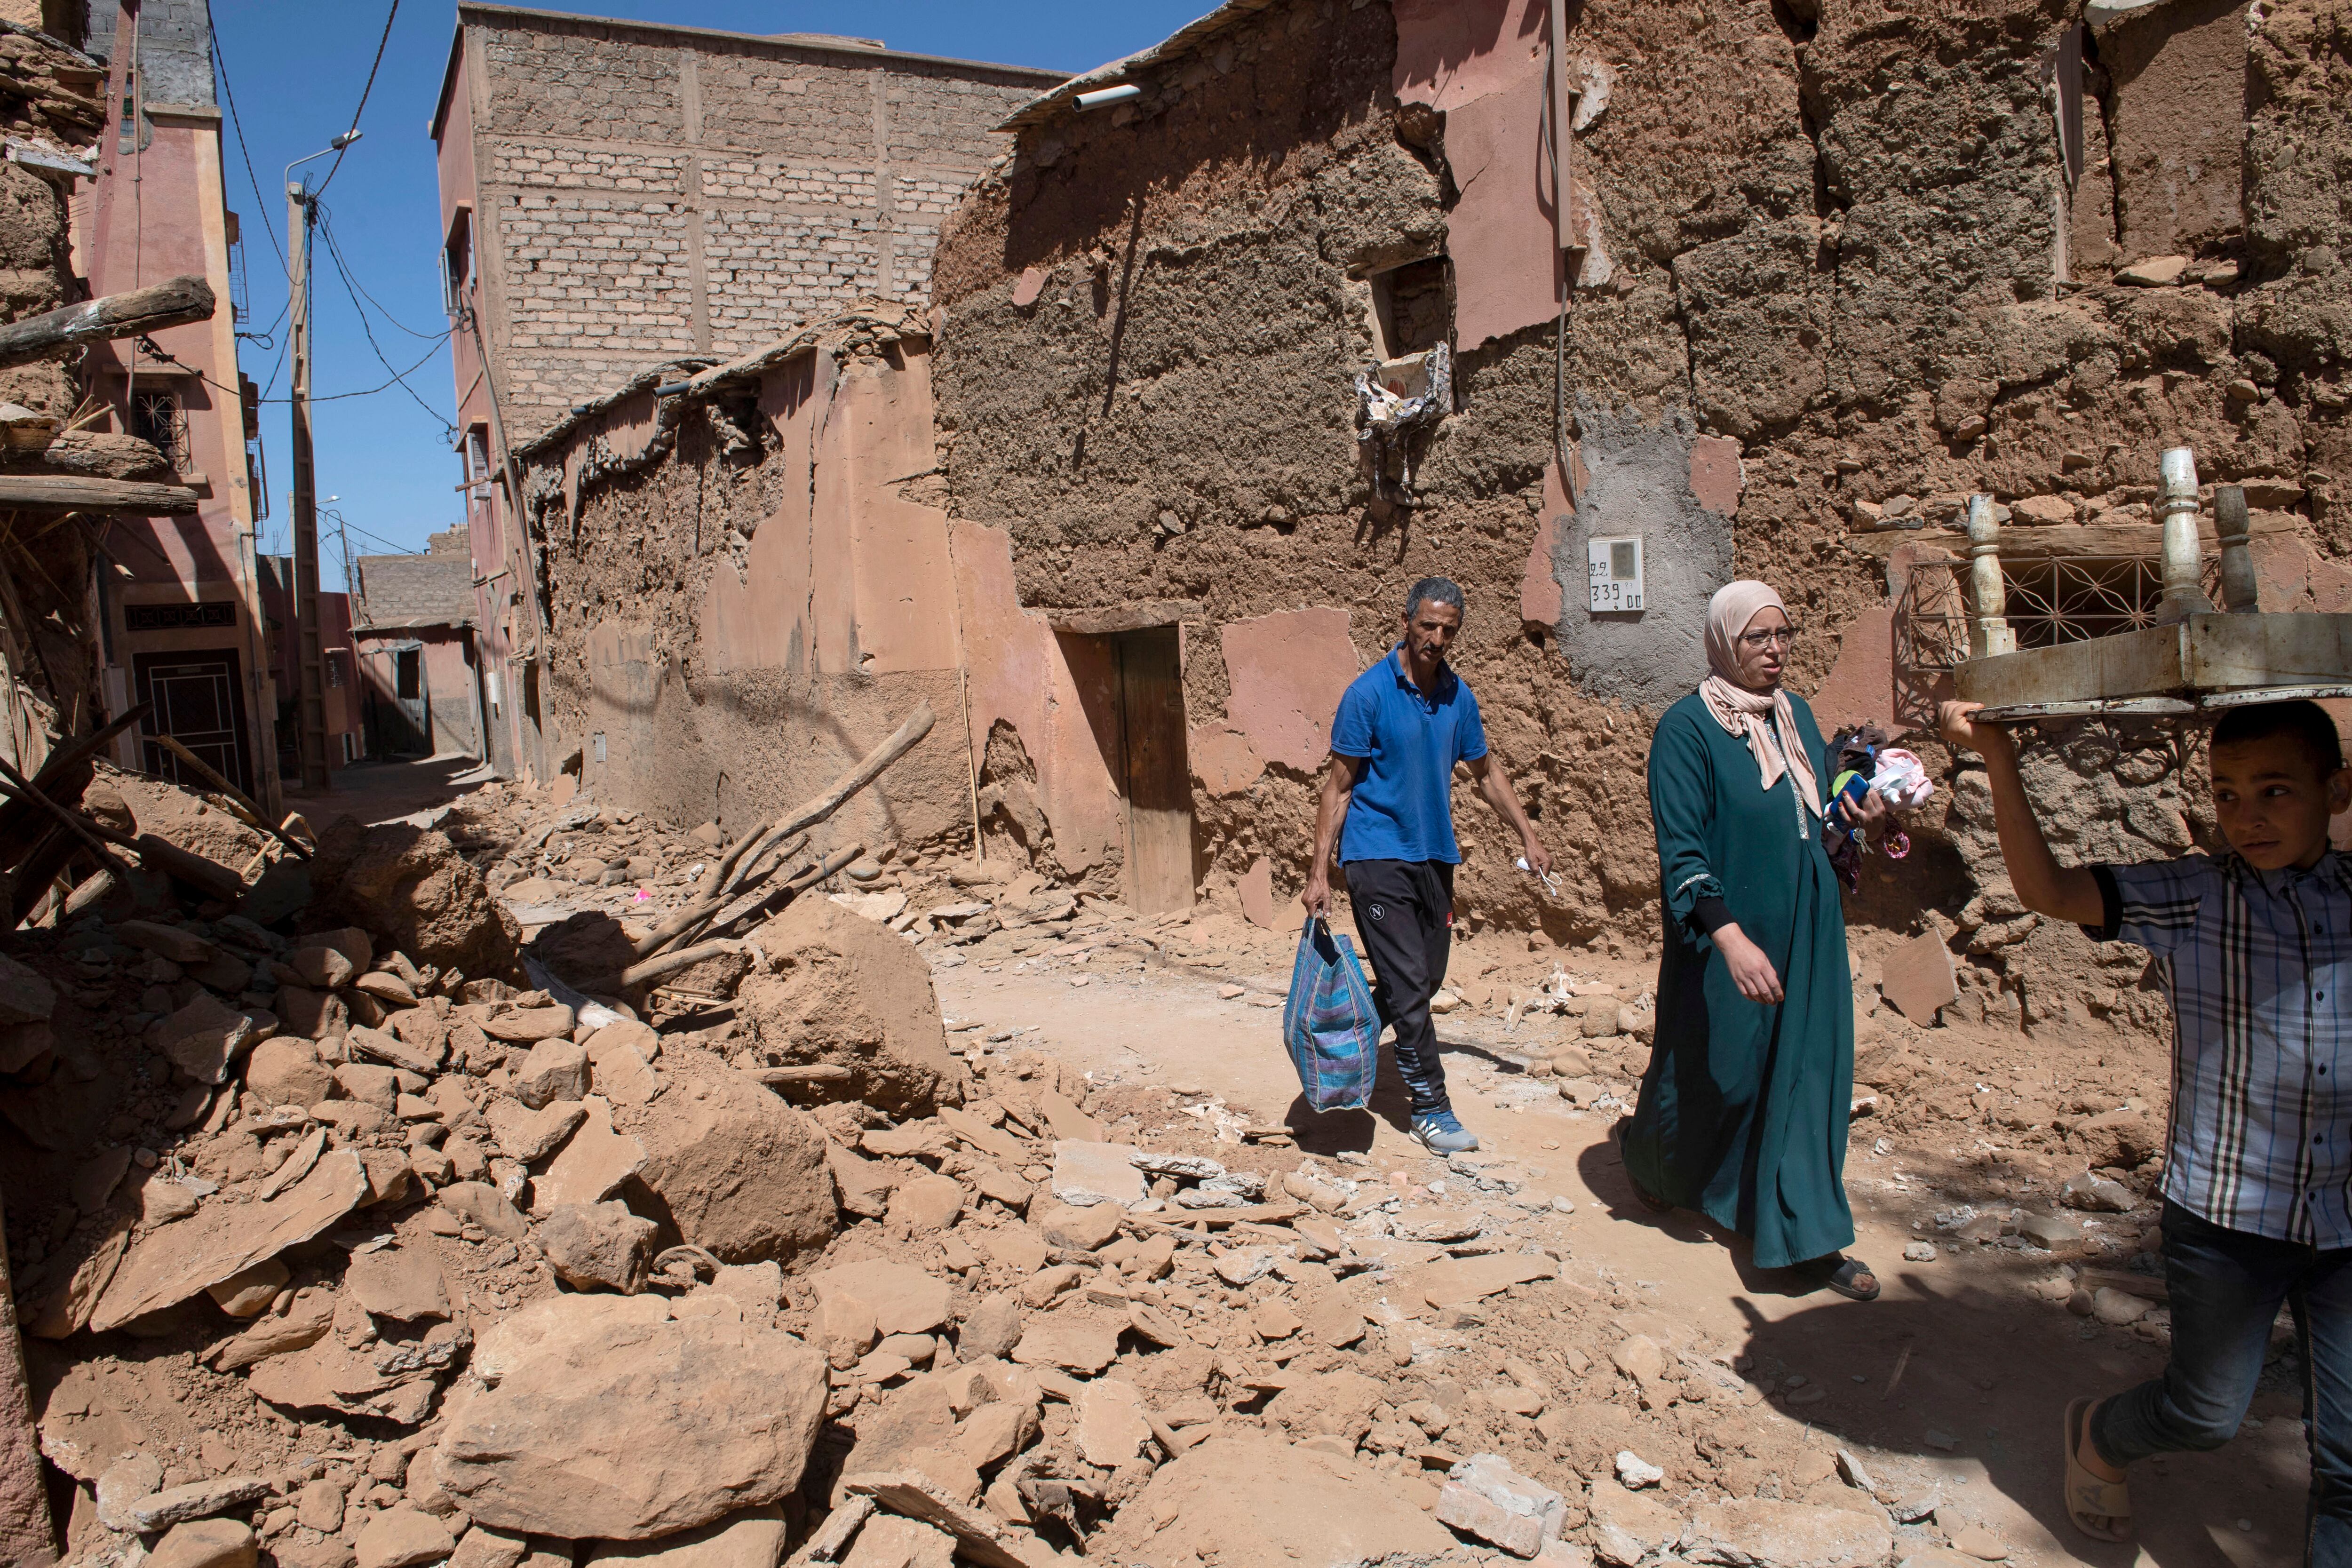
475	1268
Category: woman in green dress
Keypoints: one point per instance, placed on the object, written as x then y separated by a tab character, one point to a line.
1743	1109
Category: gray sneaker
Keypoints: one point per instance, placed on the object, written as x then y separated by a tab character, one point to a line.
1440	1133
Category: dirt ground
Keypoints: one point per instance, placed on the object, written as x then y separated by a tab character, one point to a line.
1954	1381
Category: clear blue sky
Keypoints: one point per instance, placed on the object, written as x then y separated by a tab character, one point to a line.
295	69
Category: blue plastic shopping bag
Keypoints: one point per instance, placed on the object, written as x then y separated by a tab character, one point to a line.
1329	1022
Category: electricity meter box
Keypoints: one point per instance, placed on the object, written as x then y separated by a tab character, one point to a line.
1613	572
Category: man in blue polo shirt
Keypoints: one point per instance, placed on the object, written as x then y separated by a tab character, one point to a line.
1401	726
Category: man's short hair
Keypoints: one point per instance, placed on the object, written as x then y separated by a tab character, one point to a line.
1439	589
2306	722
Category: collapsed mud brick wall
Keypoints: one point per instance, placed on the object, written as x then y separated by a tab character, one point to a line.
1841	264
649	192
748	586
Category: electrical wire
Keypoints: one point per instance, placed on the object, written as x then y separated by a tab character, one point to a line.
326	225
351	287
154	351
365	91
220	64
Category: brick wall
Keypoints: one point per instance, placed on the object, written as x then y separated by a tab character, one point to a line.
651	193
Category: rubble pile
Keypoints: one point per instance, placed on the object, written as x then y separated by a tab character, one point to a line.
382	1243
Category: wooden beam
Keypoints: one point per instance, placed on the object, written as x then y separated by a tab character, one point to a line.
73	492
172	303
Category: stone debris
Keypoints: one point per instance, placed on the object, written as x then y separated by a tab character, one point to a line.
1486	1497
529	1271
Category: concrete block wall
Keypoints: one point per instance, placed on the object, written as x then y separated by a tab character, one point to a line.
652	193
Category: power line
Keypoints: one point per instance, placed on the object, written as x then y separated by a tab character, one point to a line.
370	86
351	287
326	222
220	63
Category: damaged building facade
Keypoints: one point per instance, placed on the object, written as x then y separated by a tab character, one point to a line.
1820	277
622	195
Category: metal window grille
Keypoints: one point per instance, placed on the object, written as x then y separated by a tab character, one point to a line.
156	417
2051	600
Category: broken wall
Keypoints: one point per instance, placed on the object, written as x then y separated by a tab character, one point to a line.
648	192
749	587
1841	264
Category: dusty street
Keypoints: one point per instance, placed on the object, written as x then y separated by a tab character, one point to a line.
1951	1383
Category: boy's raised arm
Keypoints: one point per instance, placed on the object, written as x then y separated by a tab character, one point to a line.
2062	892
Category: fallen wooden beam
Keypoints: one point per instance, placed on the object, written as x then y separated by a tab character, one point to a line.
17	816
821	1073
234	797
73	492
172	303
806	815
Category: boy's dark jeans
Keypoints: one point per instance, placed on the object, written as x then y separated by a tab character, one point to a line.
2226	1287
1404	912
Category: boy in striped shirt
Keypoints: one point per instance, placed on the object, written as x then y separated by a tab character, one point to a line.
2252	947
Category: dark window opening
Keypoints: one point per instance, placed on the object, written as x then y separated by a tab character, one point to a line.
457	264
1412	307
407	674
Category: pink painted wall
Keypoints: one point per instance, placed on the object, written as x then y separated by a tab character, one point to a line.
1286	673
1020	674
1483	65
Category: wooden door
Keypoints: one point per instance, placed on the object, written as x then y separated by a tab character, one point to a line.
1156	776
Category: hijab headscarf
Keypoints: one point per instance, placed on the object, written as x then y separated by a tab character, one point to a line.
1763	719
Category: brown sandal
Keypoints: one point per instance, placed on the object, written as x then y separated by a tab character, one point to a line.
2087	1495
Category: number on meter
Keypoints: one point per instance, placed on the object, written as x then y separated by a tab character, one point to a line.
1614	568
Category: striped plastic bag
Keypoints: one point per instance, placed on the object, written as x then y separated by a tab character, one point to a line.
1328	1023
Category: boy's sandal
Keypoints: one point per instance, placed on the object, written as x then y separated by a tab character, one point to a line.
1648	1200
2088	1496
1849	1276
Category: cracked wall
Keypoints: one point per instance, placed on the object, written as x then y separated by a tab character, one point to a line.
1848	261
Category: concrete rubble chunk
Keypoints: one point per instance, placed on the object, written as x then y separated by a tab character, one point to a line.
980	1538
900	1299
1275	1502
401	1537
1744	1531
130	1479
750	1537
197	1499
1626	1527
519	1335
852	994
1087	1174
1485	1496
284	1070
926	1205
165	941
168	1266
399	1283
484	1205
602	1425
739	1171
482	1547
1112	1429
412	887
249	1291
593	1162
532	1136
2096	1194
600	1247
304	1324
25	997
202	1038
322	967
1072	1346
206	1543
552	1069
387	1046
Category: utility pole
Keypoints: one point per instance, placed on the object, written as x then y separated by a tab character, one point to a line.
311	659
310	662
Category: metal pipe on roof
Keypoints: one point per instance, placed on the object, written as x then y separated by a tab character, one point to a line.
1109	95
